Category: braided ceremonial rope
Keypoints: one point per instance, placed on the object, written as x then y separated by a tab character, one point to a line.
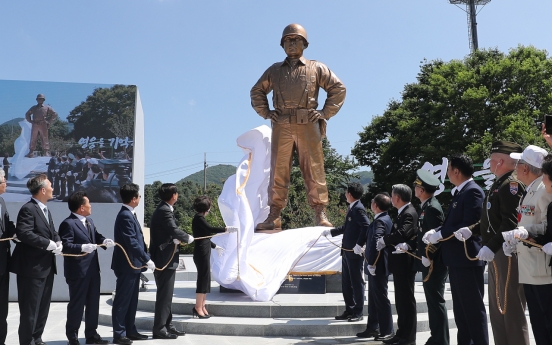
6	239
305	253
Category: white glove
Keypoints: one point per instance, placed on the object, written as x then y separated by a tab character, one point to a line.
15	238
401	248
513	236
380	244
509	248
485	254
547	248
426	262
372	270
434	238
151	265
358	250
231	229
219	250
109	243
88	248
327	232
58	249
426	236
77	182
462	234
190	239
176	241
51	246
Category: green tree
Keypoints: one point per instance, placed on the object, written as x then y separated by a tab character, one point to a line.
107	113
458	106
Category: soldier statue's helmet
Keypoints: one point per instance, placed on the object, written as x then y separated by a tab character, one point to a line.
294	29
40	96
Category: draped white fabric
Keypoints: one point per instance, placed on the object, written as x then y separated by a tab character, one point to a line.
263	260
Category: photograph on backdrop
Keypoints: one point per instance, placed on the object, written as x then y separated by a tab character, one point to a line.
80	135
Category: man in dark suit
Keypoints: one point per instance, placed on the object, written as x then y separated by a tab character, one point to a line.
79	235
430	217
163	233
128	233
403	238
352	282
380	320
34	261
7	230
466	276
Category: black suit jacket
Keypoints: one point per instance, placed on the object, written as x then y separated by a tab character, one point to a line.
73	235
380	227
30	257
405	229
128	233
7	230
163	230
356	224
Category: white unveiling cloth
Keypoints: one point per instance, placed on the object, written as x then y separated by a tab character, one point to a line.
264	260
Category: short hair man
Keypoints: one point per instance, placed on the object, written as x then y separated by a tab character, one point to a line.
430	217
163	232
534	270
403	238
7	230
79	235
466	276
34	260
128	233
356	223
380	320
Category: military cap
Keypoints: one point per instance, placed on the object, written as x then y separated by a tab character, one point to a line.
426	180
40	96
72	156
506	147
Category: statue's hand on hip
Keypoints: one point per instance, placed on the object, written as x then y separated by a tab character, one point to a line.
315	115
273	115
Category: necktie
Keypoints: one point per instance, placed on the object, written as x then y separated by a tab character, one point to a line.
45	209
89	229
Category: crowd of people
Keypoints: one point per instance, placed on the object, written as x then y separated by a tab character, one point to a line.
77	239
509	227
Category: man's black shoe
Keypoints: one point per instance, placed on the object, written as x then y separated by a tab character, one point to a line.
346	315
122	340
165	335
39	342
96	340
393	340
384	337
368	333
355	318
137	336
173	330
73	342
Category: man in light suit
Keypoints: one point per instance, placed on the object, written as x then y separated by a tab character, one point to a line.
403	238
7	230
164	233
79	235
34	261
380	320
466	276
128	233
356	223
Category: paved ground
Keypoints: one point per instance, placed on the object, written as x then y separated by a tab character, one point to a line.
55	334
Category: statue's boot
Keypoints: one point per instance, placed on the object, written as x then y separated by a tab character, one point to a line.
321	219
273	221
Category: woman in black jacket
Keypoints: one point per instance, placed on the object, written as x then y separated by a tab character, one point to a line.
202	254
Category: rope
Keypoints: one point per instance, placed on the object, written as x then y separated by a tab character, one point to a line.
6	239
534	244
502	311
290	278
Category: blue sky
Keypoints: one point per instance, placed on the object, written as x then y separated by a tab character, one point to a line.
194	62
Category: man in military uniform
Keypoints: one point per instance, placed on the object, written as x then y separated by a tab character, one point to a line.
431	217
42	117
296	124
533	265
499	214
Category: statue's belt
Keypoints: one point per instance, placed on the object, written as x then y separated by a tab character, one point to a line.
293	115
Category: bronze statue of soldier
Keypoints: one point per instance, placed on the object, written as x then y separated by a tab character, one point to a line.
297	125
40	116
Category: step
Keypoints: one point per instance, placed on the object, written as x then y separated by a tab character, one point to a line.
281	306
259	326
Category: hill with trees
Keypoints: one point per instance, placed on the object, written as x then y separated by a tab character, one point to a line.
216	174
